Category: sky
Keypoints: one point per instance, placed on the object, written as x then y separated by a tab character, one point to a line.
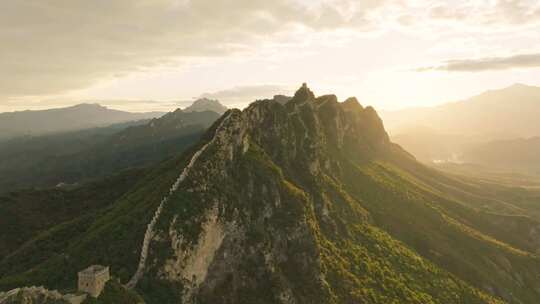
157	55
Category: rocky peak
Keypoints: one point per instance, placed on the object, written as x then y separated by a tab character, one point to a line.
206	104
303	94
304	130
282	99
352	104
261	205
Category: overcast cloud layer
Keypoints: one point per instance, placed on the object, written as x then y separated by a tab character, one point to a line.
53	47
491	63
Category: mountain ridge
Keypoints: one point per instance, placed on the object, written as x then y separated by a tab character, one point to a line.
229	146
206	104
303	202
84	155
481	114
77	117
446	132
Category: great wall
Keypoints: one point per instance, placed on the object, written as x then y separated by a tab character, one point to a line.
149	234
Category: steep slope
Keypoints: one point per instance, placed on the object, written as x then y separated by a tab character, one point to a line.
25	214
73	118
110	236
265	209
205	104
170	125
95	153
302	202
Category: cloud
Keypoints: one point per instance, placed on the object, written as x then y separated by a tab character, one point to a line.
242	95
463	18
518	61
50	47
485	14
254	91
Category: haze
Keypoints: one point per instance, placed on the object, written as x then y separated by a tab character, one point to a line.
156	55
269	151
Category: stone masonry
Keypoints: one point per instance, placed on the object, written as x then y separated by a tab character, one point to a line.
92	280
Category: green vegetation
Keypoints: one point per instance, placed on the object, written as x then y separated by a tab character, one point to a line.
26	213
307	202
76	157
369	267
115	293
110	236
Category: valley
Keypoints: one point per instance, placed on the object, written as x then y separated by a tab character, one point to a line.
496	130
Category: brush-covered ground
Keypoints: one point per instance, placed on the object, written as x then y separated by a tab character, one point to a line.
303	202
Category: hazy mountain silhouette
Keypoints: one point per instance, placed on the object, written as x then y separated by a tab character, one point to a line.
205	104
428	145
446	131
306	201
522	154
72	118
77	156
497	114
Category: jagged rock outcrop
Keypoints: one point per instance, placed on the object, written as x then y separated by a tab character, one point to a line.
263	217
282	99
38	295
149	234
303	201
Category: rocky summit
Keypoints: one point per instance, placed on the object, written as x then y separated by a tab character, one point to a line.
205	104
272	211
302	201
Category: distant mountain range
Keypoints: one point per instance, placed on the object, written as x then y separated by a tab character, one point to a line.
205	104
73	157
497	114
78	117
300	201
446	132
522	154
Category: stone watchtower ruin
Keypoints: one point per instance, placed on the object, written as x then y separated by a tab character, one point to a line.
92	280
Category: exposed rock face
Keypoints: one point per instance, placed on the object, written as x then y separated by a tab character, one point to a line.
149	234
262	216
192	265
282	99
305	201
38	295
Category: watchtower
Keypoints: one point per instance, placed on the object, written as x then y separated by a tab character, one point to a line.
92	280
